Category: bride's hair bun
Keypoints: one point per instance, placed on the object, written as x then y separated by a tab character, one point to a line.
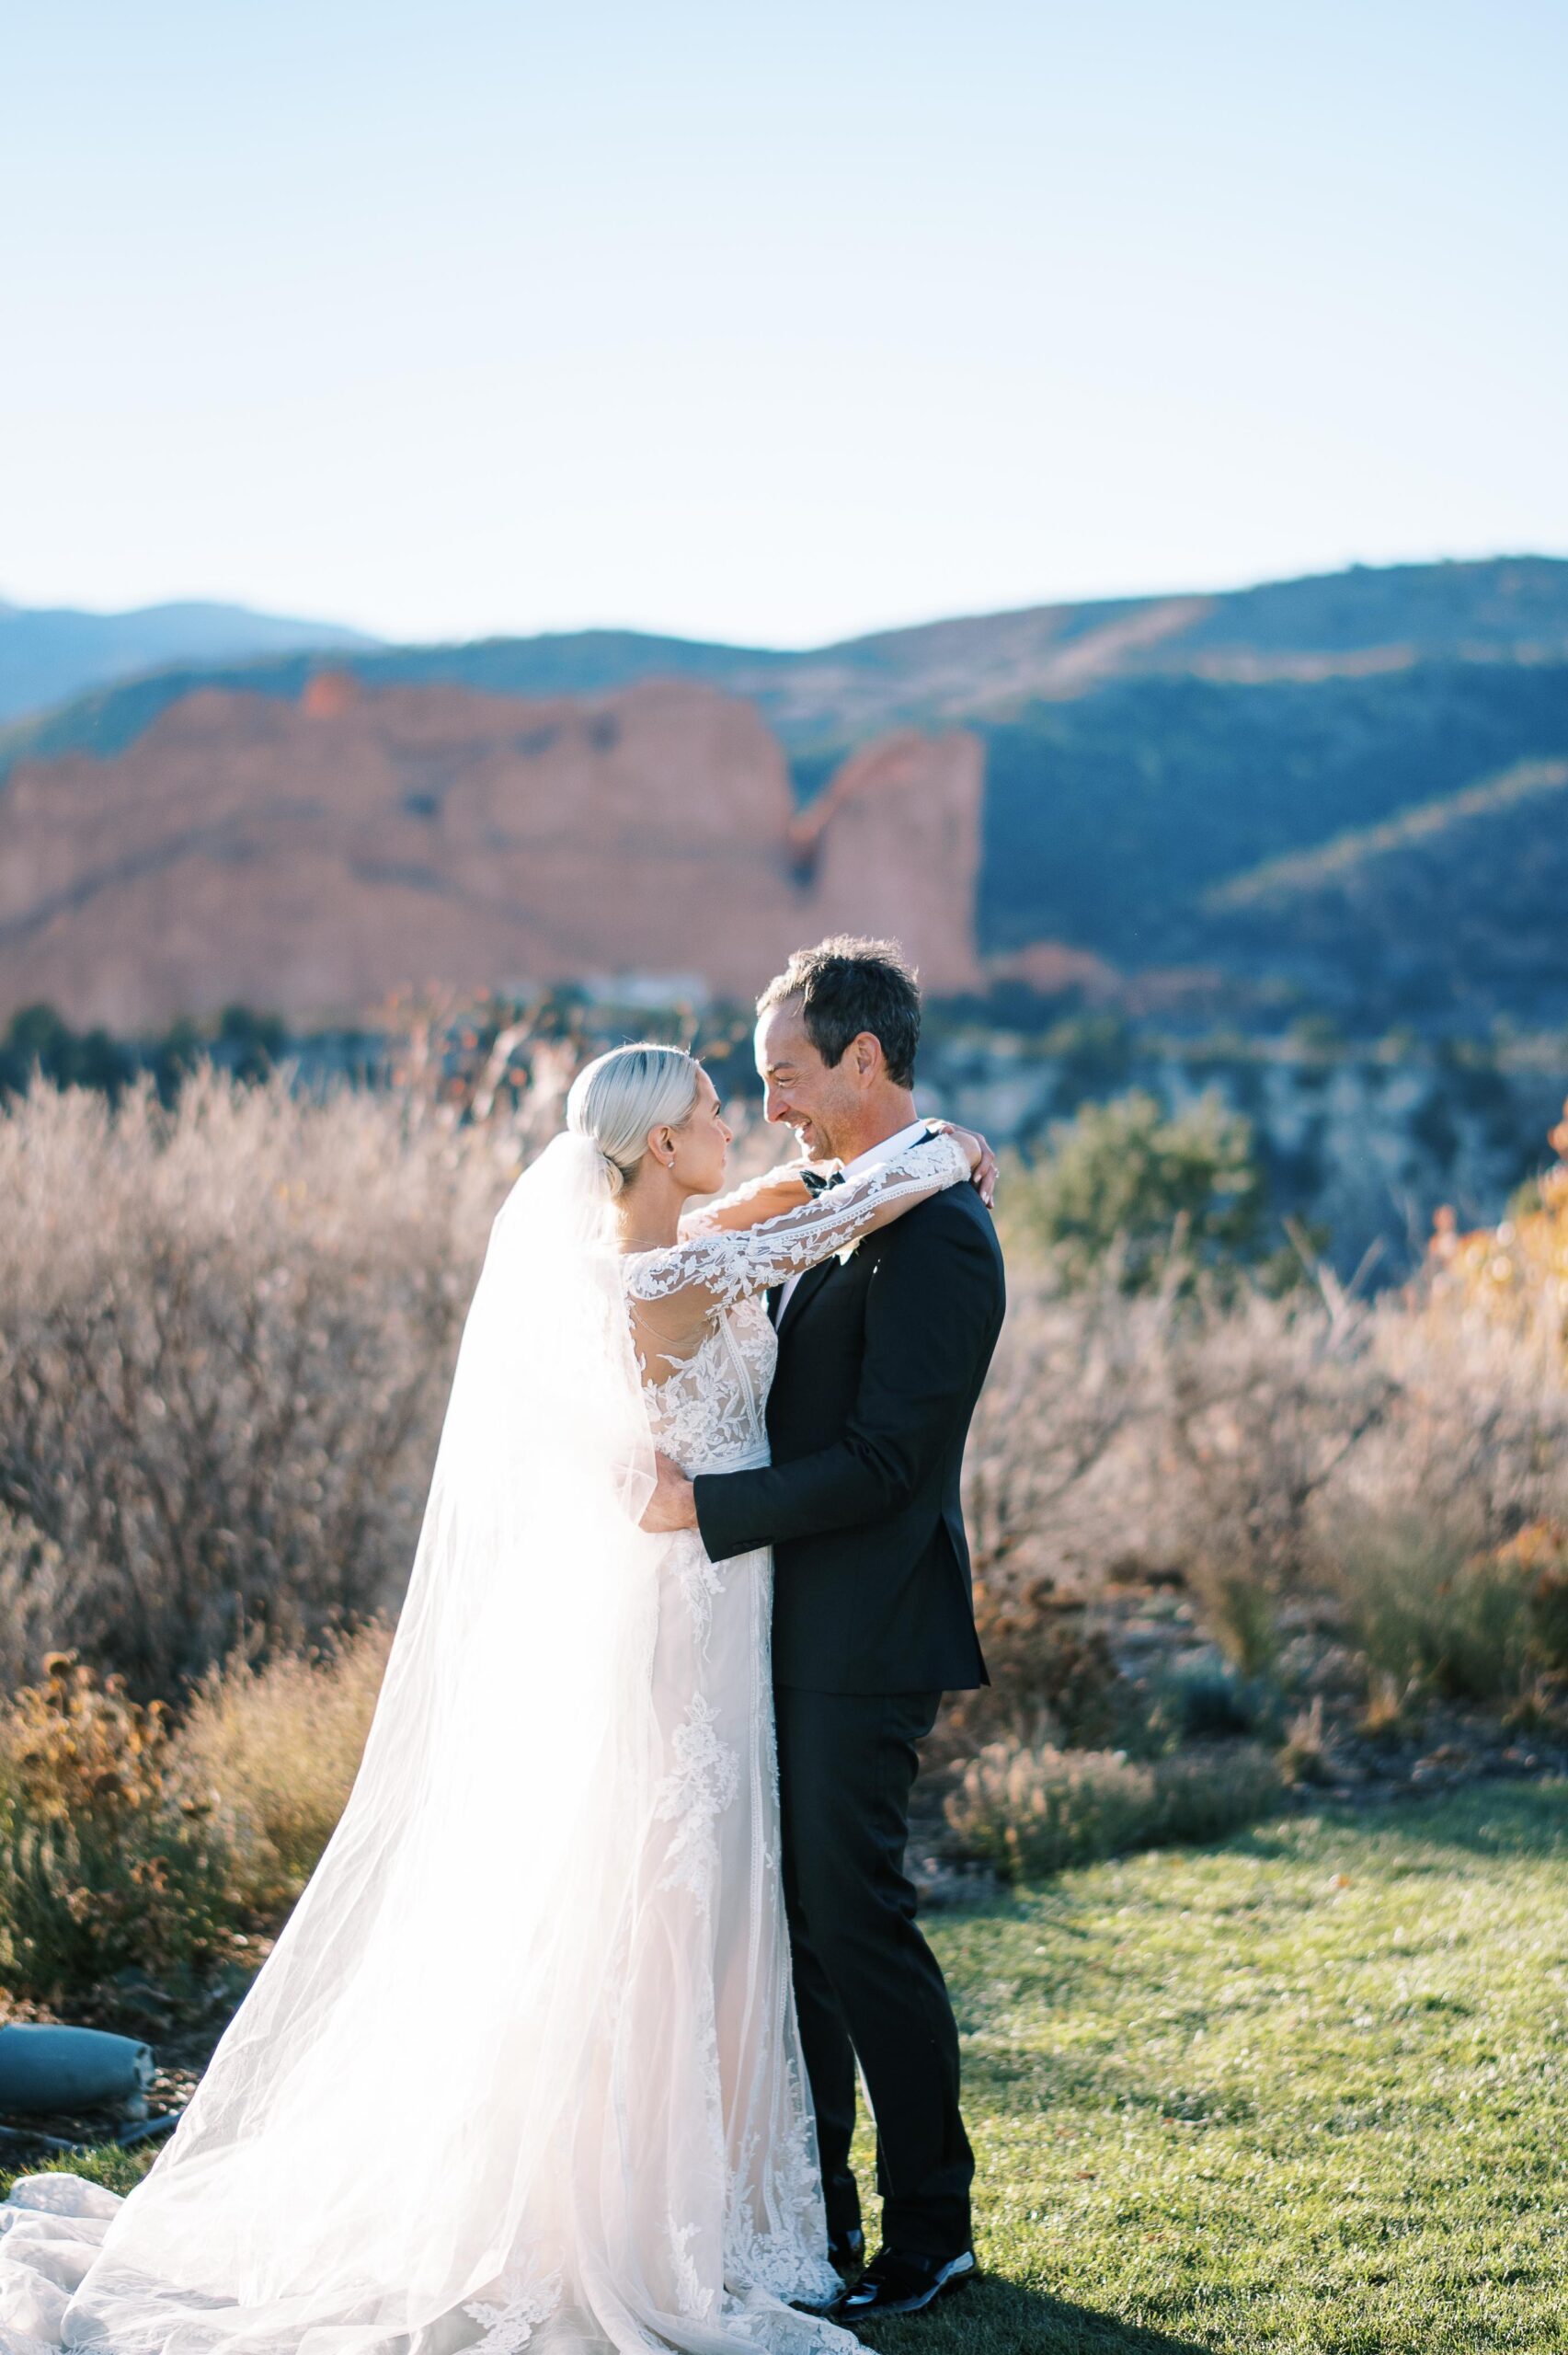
621	1096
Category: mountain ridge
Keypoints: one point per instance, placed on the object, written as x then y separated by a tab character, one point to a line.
1502	608
51	653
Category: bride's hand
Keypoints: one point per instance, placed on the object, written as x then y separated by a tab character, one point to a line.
673	1503
983	1164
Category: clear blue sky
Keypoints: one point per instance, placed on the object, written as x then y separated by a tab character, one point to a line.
770	323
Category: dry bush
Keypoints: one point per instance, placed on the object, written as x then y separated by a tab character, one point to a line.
226	1334
1515	1273
138	1842
1378	1457
1030	1811
1261	1405
113	1862
1440	1535
1066	1391
37	1595
1481	1426
1313	1460
1427	1607
276	1750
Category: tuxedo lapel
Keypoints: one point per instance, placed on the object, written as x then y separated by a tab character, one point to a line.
775	1293
805	1291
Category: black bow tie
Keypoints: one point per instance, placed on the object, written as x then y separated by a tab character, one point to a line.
815	1183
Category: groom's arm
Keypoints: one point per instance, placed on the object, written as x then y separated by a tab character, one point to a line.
931	1316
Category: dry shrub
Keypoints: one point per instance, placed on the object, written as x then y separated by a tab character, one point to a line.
277	1750
1538	1558
1442	1536
1393	1468
37	1594
226	1334
1433	1605
1262	1404
1045	1504
1515	1273
1031	1811
139	1842
1426	1604
1053	1676
114	1862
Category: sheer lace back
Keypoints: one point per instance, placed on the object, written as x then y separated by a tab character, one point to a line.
708	1410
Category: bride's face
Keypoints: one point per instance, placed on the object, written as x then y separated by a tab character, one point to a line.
702	1144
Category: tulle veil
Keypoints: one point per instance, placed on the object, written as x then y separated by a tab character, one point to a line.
393	2104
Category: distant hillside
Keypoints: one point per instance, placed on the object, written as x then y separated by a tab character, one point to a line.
1131	822
48	654
1293	788
1512	610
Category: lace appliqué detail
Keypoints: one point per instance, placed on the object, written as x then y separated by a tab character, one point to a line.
690	2294
527	2299
693	1795
777	2260
699	1581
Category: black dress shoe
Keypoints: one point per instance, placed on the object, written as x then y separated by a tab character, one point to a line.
892	2284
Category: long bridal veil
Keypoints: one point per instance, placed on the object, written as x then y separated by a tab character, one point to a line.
386	2150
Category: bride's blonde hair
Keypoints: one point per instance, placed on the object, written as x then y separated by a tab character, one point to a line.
621	1096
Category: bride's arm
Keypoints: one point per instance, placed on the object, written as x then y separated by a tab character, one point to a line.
777	1190
732	1262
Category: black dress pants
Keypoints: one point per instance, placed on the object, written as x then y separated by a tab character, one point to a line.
866	1985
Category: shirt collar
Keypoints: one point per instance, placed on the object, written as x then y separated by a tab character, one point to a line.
888	1149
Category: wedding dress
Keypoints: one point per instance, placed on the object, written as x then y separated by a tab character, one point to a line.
522	2070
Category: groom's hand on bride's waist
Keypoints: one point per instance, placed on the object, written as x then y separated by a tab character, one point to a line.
673	1502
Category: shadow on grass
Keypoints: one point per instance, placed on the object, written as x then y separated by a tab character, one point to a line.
997	2318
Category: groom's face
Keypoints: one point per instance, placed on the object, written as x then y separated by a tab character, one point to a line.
802	1092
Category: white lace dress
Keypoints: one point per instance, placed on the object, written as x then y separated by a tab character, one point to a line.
712	2217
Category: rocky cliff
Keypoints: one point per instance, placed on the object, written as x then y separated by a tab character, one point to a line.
309	856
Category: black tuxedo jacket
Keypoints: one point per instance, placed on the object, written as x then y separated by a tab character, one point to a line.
881	1359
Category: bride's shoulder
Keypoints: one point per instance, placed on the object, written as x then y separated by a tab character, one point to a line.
705	1265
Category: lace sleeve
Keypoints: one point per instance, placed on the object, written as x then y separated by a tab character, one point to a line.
730	1262
768	1196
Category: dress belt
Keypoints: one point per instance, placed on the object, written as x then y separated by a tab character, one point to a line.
752	1459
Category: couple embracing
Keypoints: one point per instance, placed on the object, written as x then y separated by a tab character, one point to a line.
559	2050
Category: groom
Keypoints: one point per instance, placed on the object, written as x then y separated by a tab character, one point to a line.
882	1354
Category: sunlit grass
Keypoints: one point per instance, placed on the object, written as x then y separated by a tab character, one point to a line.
1303	2092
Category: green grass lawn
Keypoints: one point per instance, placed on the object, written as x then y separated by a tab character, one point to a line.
1305	2091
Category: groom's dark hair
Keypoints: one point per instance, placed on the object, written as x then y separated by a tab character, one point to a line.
846	986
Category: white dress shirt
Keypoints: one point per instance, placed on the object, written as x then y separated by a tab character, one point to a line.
887	1151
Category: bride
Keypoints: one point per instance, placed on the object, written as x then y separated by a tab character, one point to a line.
522	2069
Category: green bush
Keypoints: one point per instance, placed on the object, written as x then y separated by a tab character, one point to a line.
1124	1179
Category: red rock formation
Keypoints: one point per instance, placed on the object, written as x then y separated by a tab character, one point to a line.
310	857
